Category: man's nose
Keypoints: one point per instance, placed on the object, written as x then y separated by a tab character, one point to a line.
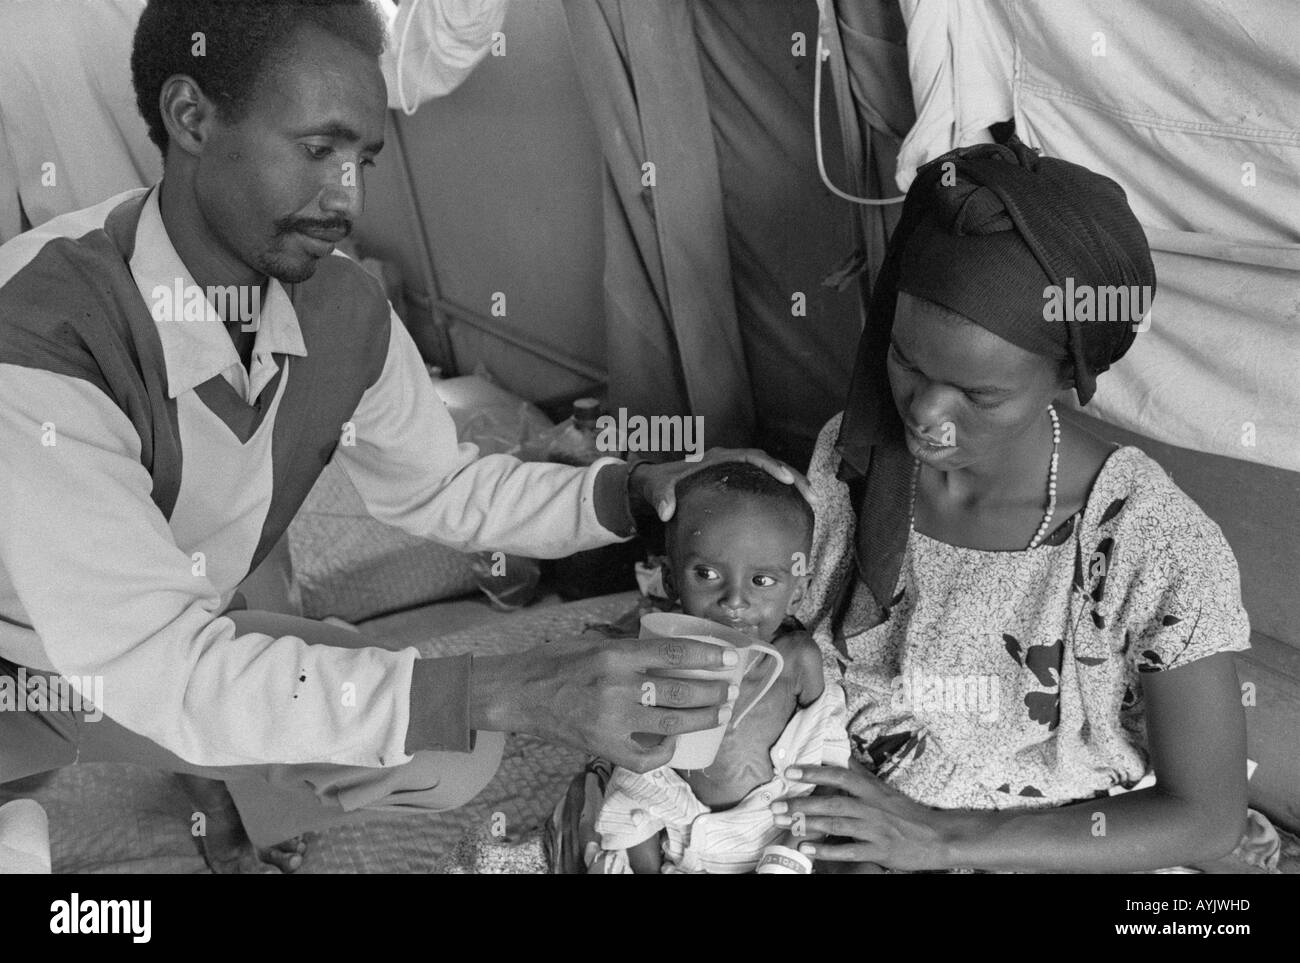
343	200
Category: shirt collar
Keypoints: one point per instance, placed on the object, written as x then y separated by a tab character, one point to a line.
195	344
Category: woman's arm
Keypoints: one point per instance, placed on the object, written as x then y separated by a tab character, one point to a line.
1196	732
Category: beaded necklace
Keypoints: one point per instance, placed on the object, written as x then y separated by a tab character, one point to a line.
1046	525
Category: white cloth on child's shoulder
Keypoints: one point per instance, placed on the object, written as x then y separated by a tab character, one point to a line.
638	805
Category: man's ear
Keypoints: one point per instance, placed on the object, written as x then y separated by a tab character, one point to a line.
187	113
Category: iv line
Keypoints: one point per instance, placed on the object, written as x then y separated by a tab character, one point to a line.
822	54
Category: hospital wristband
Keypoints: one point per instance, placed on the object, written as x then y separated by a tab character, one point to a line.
784	861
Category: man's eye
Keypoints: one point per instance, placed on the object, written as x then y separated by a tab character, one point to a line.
317	152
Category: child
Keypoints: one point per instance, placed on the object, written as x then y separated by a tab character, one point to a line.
737	555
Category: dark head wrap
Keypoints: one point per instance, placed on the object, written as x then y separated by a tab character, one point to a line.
983	232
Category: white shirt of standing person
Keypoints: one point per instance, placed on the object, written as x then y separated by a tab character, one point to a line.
434	45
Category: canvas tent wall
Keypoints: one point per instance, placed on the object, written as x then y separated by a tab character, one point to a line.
719	236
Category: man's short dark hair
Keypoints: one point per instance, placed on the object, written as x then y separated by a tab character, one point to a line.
241	42
740	478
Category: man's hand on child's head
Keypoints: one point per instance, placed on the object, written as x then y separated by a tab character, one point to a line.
655	482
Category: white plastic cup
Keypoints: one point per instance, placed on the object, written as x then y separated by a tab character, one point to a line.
697	750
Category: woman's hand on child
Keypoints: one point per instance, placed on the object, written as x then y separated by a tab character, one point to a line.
655	482
884	826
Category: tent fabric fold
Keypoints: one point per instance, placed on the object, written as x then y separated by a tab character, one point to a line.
734	285
674	343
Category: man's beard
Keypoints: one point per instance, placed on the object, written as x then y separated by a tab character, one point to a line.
285	269
292	270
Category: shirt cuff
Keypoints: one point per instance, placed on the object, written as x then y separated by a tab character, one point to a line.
439	717
610	498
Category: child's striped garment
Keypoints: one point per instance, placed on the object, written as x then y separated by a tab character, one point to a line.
638	806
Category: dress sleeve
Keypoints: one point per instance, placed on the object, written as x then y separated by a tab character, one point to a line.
833	526
1190	596
831	493
830	562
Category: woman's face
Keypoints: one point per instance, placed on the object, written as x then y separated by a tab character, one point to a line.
965	395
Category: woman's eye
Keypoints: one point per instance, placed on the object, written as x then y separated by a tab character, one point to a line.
983	401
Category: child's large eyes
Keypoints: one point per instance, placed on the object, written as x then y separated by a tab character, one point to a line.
764	581
705	574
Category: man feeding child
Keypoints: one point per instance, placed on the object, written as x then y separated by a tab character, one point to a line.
737	551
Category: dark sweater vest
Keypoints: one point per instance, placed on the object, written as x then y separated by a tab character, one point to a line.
74	310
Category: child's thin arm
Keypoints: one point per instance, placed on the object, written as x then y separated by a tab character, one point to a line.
646	856
809	682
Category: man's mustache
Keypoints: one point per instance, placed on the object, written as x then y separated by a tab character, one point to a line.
341	228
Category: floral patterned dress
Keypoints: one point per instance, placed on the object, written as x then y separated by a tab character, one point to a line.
1002	679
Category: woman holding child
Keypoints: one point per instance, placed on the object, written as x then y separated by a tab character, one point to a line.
1028	623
